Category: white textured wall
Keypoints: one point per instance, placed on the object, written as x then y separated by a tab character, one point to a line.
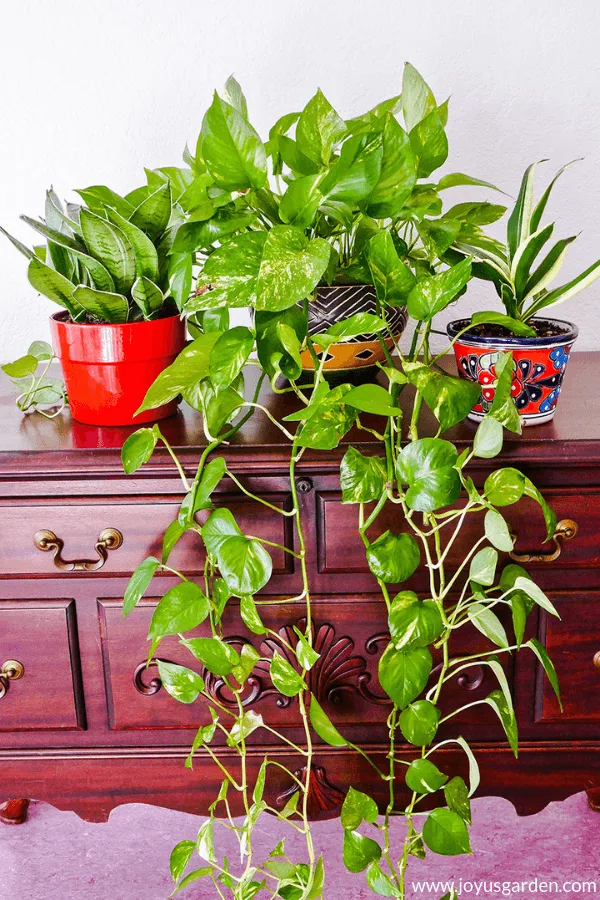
92	91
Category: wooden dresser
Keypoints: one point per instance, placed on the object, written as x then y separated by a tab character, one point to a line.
87	728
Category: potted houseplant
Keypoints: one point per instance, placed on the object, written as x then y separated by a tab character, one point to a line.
426	479
106	264
523	281
343	212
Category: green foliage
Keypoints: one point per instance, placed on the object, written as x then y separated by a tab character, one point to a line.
189	369
450	399
243	562
428	468
285	678
359	851
362	477
139	583
419	722
445	832
182	608
393	557
404	673
348	207
358	808
424	777
523	280
107	265
36	389
413	621
266	271
181	683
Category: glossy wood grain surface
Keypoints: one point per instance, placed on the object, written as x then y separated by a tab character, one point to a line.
88	729
34	444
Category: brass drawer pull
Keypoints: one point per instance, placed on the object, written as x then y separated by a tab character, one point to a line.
12	670
566	530
597	659
109	539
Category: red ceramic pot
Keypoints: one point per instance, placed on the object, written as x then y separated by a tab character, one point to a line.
108	368
539	367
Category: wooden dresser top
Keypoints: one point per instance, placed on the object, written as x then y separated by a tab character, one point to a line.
31	444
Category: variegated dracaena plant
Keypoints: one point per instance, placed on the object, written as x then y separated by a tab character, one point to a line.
523	280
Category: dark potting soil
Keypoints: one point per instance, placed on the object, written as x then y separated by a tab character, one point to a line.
543	328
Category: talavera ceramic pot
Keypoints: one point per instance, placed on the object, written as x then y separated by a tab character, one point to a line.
539	366
335	303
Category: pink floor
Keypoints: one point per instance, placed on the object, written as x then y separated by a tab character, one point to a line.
56	855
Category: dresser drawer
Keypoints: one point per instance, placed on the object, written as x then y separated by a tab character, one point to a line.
340	549
42	637
350	637
79	526
574	647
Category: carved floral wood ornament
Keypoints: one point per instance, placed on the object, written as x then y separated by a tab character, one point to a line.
338	670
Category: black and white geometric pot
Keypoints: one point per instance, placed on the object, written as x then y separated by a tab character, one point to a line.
335	303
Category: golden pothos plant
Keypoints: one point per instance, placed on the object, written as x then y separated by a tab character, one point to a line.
272	261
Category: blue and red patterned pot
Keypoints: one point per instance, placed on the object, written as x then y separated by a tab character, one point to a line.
540	364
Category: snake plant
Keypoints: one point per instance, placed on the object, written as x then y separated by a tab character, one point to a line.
522	279
106	260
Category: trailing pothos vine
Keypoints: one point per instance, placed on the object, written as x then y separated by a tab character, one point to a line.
424	478
365	203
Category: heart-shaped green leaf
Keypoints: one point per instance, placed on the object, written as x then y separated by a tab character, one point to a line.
216	655
392	278
181	683
445	832
483	566
243	562
285	678
397	176
413	621
229	355
182	608
404	673
424	777
457	798
431	295
190	367
419	722
393	557
137	449
319	129
139	582
269	272
358	808
371	398
427	467
496	531
362	478
359	851
504	486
